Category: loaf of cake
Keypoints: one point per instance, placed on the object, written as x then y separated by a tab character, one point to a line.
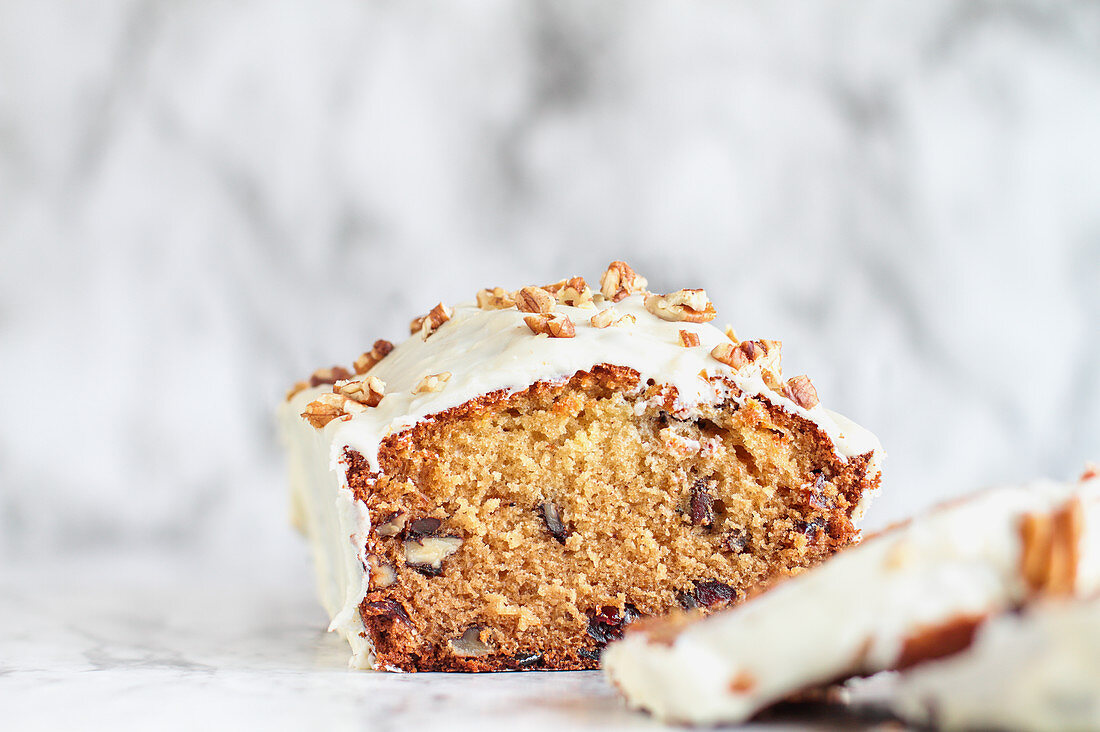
530	472
908	597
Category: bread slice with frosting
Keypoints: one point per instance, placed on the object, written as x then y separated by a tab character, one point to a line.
531	471
902	599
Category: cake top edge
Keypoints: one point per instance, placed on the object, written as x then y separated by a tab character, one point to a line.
508	340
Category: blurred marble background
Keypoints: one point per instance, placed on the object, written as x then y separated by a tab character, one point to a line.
201	202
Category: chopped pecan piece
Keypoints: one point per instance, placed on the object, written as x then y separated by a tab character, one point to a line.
731	334
298	387
368	360
471	643
689	339
801	391
328	407
368	392
329	375
382	573
767	353
691	306
609	317
575	292
551	516
555	326
425	554
620	281
392	524
1050	552
534	300
428	324
495	299
432	382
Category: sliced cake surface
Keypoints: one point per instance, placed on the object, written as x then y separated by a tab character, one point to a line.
530	472
912	594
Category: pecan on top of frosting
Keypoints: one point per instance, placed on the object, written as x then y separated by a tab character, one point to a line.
555	326
801	391
428	324
368	360
534	300
766	353
330	406
620	281
368	392
573	291
495	299
691	306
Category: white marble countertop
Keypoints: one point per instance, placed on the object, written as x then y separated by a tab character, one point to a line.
183	644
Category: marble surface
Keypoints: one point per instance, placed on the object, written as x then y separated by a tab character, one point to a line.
202	202
156	642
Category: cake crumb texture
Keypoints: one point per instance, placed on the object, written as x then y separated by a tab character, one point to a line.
527	530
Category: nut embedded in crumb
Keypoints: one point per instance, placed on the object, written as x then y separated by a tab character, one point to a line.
555	326
620	281
329	376
689	339
368	360
471	643
392	524
425	554
432	382
382	573
691	306
328	407
801	391
428	324
368	392
534	300
551	516
495	299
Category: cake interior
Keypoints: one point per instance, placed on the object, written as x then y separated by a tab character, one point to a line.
525	531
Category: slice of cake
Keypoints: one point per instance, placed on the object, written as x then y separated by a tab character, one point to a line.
1034	670
910	595
531	472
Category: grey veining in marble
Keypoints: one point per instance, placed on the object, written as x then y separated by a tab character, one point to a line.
201	202
160	642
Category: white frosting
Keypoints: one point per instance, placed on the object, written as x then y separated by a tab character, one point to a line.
487	351
491	350
849	616
1039	670
326	511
